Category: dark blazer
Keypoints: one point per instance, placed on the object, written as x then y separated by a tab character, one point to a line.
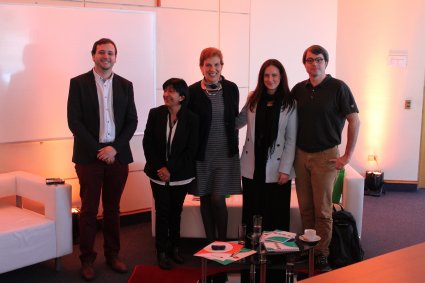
84	121
181	162
200	104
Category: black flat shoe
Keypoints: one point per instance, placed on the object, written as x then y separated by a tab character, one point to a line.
176	256
164	261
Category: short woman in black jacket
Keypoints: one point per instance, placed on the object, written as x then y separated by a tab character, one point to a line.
170	143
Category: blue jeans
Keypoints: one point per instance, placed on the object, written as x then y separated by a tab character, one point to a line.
315	180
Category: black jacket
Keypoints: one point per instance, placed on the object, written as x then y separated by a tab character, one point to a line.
181	162
200	104
84	121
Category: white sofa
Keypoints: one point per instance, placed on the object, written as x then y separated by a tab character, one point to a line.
353	195
191	220
28	237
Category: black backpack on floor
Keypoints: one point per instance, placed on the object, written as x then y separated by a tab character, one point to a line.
345	247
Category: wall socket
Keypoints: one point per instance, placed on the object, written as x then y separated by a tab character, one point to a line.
371	157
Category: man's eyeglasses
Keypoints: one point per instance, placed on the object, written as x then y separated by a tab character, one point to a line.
318	60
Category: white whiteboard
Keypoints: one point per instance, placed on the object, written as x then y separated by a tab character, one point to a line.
42	48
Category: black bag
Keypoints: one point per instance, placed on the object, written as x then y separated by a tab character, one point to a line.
345	247
374	183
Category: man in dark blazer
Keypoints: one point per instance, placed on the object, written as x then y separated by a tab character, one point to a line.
102	117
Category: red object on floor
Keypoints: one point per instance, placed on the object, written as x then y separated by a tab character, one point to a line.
154	274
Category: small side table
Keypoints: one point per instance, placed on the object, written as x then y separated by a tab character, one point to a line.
309	247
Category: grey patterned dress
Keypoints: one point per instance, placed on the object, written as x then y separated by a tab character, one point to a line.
218	174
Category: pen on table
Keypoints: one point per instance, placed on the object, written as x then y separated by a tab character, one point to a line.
235	253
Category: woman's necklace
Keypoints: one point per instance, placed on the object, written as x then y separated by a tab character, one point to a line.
211	89
270	98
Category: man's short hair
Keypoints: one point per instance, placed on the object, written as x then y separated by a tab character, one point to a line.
101	42
316	50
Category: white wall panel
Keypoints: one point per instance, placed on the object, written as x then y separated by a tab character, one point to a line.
50	158
235	6
211	5
125	2
283	29
77	3
388	131
137	193
234	43
43	47
181	36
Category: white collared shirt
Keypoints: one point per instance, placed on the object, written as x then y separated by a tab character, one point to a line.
106	109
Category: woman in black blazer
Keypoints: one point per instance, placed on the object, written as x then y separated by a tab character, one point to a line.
216	102
170	144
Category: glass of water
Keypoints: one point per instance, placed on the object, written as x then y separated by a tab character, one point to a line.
241	234
257	221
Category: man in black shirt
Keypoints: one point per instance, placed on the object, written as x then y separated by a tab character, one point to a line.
324	104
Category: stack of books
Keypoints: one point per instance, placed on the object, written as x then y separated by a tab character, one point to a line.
279	241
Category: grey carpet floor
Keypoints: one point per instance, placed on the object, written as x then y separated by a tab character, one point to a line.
390	222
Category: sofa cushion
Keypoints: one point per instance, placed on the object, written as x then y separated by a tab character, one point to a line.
7	185
192	225
26	238
191	220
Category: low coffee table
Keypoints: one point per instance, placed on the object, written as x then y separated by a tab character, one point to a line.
246	275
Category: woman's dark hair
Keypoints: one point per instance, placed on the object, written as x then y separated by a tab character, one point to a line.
101	42
180	86
282	90
316	50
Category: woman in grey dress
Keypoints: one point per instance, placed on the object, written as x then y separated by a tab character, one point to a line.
216	101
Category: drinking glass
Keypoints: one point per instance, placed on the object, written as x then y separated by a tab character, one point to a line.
257	224
241	234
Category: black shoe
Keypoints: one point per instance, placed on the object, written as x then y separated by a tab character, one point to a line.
176	256
164	261
321	264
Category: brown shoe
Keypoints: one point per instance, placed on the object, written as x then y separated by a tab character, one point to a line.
87	271
117	265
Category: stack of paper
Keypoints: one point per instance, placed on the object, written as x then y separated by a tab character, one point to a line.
232	252
279	241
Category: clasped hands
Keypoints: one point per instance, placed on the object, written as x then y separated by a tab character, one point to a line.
107	154
163	174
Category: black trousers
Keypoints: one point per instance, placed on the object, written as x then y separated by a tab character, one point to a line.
168	208
271	200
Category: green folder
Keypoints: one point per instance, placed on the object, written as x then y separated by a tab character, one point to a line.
339	182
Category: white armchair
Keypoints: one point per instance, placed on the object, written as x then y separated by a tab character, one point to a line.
28	237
